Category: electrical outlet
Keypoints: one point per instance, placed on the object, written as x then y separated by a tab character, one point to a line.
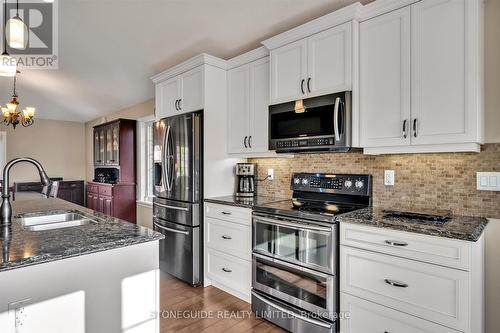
18	312
389	178
270	174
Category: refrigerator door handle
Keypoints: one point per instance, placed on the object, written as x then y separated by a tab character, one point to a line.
167	160
164	161
171	207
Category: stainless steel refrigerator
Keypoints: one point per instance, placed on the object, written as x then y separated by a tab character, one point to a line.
178	191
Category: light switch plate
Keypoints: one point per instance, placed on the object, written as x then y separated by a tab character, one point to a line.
488	181
389	177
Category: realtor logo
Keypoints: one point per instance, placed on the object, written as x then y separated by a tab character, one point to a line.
40	34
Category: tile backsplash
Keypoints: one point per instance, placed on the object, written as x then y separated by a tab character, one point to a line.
445	181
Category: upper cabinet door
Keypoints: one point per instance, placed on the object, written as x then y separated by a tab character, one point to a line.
443	104
384	79
97	148
289	72
167	96
330	61
238	108
259	105
191	88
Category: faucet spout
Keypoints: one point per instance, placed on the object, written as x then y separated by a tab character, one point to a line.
6	208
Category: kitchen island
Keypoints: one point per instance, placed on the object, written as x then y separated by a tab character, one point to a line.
101	276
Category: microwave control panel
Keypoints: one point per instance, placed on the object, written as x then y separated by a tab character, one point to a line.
305	143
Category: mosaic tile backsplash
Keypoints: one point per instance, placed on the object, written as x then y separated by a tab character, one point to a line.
424	182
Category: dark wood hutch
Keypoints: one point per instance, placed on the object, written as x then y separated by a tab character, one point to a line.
113	190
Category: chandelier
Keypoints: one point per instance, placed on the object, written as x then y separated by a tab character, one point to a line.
14	117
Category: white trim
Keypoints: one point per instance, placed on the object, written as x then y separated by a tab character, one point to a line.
196	61
247	57
325	22
419	149
141	195
3	140
146	204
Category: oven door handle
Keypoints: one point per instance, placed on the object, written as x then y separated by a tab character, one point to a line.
293	225
292	266
293	314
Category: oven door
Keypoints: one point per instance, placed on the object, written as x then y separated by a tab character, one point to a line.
304	288
297	241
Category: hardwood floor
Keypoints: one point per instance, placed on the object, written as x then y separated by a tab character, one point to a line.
208	310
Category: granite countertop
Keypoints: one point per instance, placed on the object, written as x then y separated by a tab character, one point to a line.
243	202
24	248
457	227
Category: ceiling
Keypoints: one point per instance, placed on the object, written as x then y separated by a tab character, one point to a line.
109	49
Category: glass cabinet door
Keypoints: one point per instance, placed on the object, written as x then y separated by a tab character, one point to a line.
109	144
97	147
115	129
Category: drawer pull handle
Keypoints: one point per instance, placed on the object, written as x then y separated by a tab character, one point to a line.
226	270
226	213
396	283
227	237
396	243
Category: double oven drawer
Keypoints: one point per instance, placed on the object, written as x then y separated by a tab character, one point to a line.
294	261
310	244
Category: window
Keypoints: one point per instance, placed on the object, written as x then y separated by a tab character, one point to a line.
145	155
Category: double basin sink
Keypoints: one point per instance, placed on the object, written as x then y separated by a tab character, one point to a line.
52	220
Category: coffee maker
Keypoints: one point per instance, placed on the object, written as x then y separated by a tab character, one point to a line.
245	173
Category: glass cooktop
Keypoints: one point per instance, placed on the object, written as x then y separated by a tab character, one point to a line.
314	210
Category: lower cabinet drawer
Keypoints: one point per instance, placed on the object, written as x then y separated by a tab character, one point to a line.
433	292
361	316
230	238
230	271
229	213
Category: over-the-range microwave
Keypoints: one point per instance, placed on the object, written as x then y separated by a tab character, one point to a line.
311	125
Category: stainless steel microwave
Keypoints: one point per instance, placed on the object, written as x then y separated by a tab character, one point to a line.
316	124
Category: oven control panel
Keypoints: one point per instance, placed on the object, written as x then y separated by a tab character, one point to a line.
353	184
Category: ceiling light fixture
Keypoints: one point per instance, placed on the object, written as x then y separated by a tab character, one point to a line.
14	117
16	31
8	65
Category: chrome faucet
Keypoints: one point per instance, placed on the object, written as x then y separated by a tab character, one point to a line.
6	208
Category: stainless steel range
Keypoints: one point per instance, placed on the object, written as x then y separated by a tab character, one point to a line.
295	251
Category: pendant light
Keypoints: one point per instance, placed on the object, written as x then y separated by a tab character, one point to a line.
16	31
8	66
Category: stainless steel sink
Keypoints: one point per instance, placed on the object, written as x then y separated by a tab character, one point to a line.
57	220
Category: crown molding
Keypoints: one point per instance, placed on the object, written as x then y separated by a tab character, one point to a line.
201	59
248	57
322	23
380	7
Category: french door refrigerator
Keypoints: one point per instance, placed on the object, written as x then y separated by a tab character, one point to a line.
178	193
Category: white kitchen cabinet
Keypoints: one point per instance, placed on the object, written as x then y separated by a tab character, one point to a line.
180	94
433	102
238	108
329	61
228	248
368	317
416	282
191	90
289	72
384	79
166	98
444	103
317	65
248	100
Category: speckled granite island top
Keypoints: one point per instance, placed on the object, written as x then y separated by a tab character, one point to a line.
25	248
243	202
457	227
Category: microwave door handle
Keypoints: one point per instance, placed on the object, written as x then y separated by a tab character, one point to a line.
336	119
